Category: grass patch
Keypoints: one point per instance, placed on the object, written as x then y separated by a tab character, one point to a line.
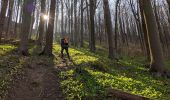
92	83
4	49
10	64
93	74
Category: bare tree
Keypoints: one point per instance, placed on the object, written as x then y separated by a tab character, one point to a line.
157	59
81	33
116	24
28	9
144	28
108	25
92	26
41	26
2	16
49	34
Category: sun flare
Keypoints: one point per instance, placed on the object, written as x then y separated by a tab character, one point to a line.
46	17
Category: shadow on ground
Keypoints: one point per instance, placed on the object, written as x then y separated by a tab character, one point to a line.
100	73
29	78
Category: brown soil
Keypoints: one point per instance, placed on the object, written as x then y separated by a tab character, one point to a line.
37	82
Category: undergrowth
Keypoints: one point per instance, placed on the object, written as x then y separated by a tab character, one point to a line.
10	64
95	74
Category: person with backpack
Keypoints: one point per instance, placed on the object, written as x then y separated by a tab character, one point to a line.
65	46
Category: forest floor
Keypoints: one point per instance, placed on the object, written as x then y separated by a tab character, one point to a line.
36	83
28	78
89	76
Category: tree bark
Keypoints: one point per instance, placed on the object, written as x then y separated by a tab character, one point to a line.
49	34
168	1
8	30
2	17
116	25
144	28
41	26
16	24
81	33
92	26
108	25
26	23
159	26
157	59
62	18
75	35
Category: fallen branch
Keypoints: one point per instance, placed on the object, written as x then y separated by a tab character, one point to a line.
124	95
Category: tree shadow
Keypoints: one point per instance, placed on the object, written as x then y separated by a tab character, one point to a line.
104	64
10	65
91	90
28	76
136	74
43	72
124	76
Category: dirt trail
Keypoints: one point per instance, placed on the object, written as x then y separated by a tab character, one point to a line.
36	83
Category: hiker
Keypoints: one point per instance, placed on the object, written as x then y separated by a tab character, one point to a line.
64	46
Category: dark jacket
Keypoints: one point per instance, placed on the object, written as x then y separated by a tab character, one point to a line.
63	44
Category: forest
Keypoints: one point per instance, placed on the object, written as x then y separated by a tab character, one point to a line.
85	49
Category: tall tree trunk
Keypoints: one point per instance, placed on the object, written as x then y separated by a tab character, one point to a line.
168	1
81	33
31	26
2	17
62	17
159	26
100	29
56	20
144	31
92	26
41	26
157	59
28	9
116	25
16	23
72	30
75	24
88	22
49	34
8	31
108	25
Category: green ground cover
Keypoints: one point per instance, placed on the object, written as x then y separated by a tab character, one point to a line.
10	64
95	73
92	74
